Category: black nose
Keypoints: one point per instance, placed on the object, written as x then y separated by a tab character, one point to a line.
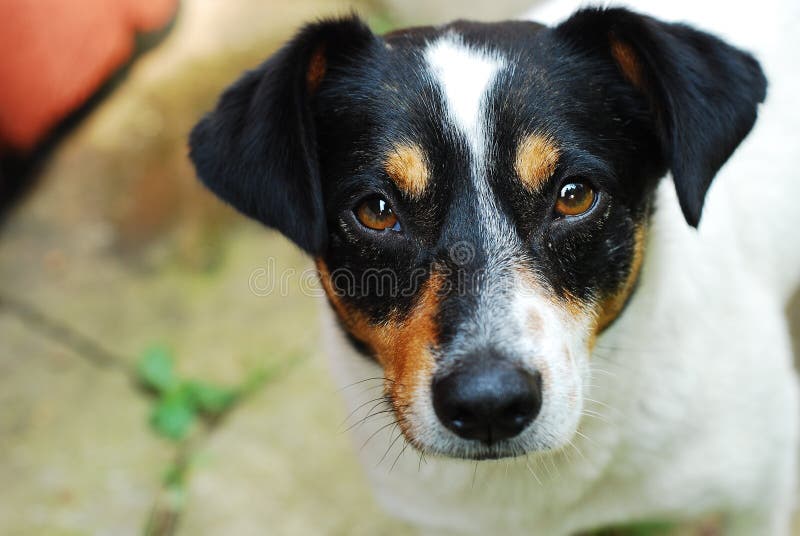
488	400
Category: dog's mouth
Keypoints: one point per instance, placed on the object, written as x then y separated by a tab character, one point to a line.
487	453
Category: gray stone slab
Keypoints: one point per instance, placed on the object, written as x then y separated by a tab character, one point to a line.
282	465
76	456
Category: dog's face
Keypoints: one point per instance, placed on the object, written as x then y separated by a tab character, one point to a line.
476	196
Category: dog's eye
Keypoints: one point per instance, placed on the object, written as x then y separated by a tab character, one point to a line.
376	213
575	198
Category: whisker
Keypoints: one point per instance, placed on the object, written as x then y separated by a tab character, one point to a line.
349	415
348	386
604	371
584	436
574	446
603	404
378	401
565	455
546	467
594	415
398	456
552	463
372	388
364	420
399	434
530	469
385	426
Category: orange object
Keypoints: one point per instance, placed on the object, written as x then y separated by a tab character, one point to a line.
54	54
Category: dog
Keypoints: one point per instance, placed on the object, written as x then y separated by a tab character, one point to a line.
565	338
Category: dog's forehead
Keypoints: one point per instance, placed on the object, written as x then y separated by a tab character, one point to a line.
463	66
465	76
471	94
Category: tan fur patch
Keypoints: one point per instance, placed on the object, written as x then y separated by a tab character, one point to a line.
407	167
537	157
401	345
316	69
610	308
628	62
533	323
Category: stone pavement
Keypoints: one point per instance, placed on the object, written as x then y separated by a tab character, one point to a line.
119	248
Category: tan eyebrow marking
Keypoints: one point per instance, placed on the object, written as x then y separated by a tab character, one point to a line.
537	156
407	166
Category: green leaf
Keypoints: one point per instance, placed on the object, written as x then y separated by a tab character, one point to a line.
155	369
174	415
210	398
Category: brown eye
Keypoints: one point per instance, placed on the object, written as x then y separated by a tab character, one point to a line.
376	214
575	198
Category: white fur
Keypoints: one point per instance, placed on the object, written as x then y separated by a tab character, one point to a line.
465	76
691	400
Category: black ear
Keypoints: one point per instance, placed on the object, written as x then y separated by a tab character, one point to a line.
257	149
704	92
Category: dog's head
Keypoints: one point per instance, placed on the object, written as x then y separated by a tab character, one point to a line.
476	196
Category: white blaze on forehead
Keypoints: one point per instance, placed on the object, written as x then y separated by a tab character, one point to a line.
465	75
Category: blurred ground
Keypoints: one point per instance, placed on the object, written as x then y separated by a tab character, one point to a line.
119	248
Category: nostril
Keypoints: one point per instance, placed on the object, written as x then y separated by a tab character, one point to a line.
462	418
487	400
524	403
518	412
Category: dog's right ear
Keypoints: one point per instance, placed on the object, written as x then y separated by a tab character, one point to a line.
257	149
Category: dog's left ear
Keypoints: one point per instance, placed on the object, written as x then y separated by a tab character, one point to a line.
704	92
257	150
